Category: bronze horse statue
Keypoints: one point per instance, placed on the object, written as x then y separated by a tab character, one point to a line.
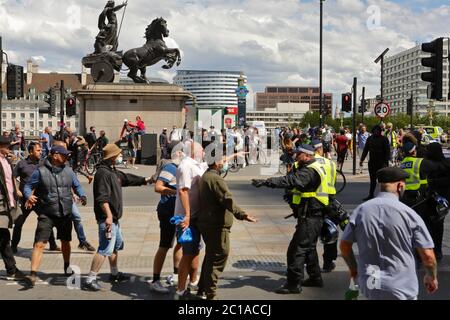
154	50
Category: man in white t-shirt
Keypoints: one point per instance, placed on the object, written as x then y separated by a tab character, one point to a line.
187	204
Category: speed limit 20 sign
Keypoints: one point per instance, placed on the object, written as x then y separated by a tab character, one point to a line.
382	110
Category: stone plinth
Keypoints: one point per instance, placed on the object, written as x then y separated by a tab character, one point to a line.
105	106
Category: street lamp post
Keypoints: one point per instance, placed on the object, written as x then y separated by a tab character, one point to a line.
320	65
381	58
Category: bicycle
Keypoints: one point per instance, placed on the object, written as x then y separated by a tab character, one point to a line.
341	181
233	167
92	160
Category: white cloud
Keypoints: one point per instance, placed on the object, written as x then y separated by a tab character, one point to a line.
273	41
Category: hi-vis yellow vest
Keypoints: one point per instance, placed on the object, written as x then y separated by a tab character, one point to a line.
330	171
393	139
321	194
411	166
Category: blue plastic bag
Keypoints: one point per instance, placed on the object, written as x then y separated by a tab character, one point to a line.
185	236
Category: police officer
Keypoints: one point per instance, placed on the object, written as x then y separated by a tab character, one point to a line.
312	198
329	249
438	182
391	135
377	146
416	183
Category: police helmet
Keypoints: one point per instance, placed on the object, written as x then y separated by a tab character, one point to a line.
329	233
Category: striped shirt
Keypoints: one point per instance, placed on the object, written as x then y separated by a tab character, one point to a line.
168	176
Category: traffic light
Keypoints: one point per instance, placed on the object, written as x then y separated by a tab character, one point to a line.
50	98
71	106
409	106
435	62
347	102
14	79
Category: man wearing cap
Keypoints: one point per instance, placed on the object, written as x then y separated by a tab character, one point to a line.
311	199
23	172
49	191
329	249
108	208
377	147
8	210
388	234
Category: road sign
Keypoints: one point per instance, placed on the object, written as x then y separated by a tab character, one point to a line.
242	92
232	110
382	110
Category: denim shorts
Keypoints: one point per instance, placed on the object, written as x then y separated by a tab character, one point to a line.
108	246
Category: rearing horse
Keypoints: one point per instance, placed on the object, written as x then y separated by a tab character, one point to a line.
154	50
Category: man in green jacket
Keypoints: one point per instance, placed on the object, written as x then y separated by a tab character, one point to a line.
214	222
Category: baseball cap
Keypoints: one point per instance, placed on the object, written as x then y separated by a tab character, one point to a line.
60	150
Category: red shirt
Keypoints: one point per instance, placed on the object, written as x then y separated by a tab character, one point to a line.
342	143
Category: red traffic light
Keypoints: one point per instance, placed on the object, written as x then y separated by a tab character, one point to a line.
70	102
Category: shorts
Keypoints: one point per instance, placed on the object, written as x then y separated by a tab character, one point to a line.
108	246
46	224
326	147
166	230
193	248
132	153
341	155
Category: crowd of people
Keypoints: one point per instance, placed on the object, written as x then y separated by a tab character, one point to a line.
414	179
232	140
404	223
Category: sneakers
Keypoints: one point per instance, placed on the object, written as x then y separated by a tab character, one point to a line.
86	247
158	287
93	286
286	289
31	280
328	267
120	277
310	282
172	280
18	275
193	286
183	295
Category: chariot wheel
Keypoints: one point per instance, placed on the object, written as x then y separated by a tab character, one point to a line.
102	71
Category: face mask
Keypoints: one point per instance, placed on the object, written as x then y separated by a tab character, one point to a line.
224	168
119	160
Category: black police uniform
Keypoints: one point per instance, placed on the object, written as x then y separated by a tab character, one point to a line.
302	248
379	149
439	182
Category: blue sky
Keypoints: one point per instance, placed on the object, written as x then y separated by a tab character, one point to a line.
275	42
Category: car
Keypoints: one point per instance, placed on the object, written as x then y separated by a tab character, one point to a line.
435	132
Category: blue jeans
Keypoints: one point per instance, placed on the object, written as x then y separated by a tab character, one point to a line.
76	218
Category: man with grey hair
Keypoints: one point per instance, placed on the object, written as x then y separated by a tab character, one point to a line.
389	234
215	221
